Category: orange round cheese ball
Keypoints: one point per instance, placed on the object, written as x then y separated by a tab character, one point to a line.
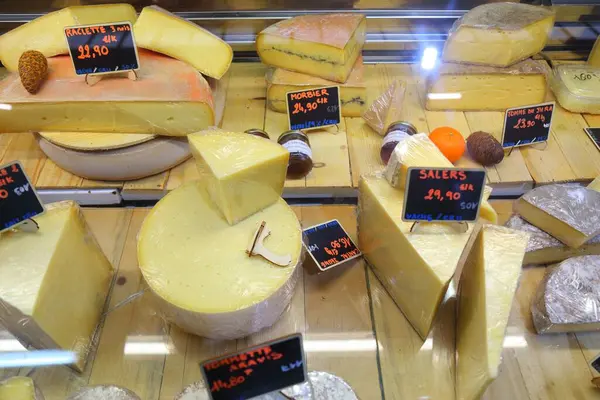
450	142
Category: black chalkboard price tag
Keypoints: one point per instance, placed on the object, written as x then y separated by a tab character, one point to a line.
527	125
443	194
18	199
596	363
259	370
314	108
329	245
594	134
102	49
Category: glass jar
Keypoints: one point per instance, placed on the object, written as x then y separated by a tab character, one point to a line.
257	132
395	133
297	143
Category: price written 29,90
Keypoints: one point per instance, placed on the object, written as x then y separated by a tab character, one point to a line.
436	194
298	107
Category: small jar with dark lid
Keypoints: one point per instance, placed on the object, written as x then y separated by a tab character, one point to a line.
257	132
395	133
297	143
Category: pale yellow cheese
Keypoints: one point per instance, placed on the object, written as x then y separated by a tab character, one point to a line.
159	30
386	109
242	173
94	141
577	88
17	388
54	282
46	33
595	185
471	88
499	34
486	211
197	265
594	57
486	290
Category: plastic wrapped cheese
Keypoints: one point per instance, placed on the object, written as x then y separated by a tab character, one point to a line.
577	88
386	109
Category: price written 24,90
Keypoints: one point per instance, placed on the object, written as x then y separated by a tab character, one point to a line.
338	244
298	107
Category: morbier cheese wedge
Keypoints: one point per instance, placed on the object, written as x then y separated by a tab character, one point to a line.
19	388
196	264
594	57
414	267
54	282
486	290
242	173
575	94
415	151
46	33
326	46
568	298
169	98
473	88
386	108
159	30
353	93
498	34
595	185
569	213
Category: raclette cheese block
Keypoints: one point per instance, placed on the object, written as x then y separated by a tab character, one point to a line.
46	33
498	34
569	213
414	267
386	109
159	30
485	294
353	93
326	46
54	282
169	98
242	173
19	388
197	265
479	88
95	141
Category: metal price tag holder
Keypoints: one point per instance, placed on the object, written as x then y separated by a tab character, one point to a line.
510	149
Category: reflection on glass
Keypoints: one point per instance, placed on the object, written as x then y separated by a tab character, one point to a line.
36	358
444	96
429	59
148	345
4	106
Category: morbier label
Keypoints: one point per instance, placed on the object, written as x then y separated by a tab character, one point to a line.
527	125
314	108
18	199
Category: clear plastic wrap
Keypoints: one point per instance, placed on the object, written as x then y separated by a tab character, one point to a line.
20	386
104	392
568	298
577	88
386	109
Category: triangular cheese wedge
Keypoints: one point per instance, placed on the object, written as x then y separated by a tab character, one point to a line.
17	388
386	108
595	185
486	211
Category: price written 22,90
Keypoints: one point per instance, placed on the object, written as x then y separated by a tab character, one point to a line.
298	108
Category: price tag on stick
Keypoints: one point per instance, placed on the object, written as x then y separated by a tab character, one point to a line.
594	134
527	125
329	245
443	194
19	201
314	108
259	370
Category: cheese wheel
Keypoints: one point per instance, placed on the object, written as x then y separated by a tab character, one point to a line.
104	392
93	141
197	265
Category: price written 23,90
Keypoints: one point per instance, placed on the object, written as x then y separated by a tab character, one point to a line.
298	107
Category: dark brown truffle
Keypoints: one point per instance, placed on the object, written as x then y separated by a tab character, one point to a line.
485	149
33	69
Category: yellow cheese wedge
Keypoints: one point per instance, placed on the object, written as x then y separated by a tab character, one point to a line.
242	173
472	87
197	265
594	57
486	290
46	33
595	185
569	213
17	388
326	46
54	282
353	93
486	211
94	141
159	30
386	108
499	34
574	93
414	267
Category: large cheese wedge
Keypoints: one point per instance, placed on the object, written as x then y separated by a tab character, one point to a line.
242	173
353	93
169	98
414	267
594	57
572	92
159	30
95	141
498	34
386	109
486	290
326	46
54	282
569	213
46	33
595	185
473	87
568	298
197	265
19	388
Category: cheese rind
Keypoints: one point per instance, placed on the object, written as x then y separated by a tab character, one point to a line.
386	108
498	34
53	297
46	33
575	94
486	289
18	388
159	30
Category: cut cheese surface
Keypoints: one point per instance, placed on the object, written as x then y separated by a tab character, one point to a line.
498	34
575	94
326	46
164	32
486	211
353	93
594	57
567	212
169	98
17	388
209	285
95	141
386	108
242	173
46	33
414	267
486	290
472	87
595	185
54	295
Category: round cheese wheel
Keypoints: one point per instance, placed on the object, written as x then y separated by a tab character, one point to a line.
95	141
129	163
197	265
